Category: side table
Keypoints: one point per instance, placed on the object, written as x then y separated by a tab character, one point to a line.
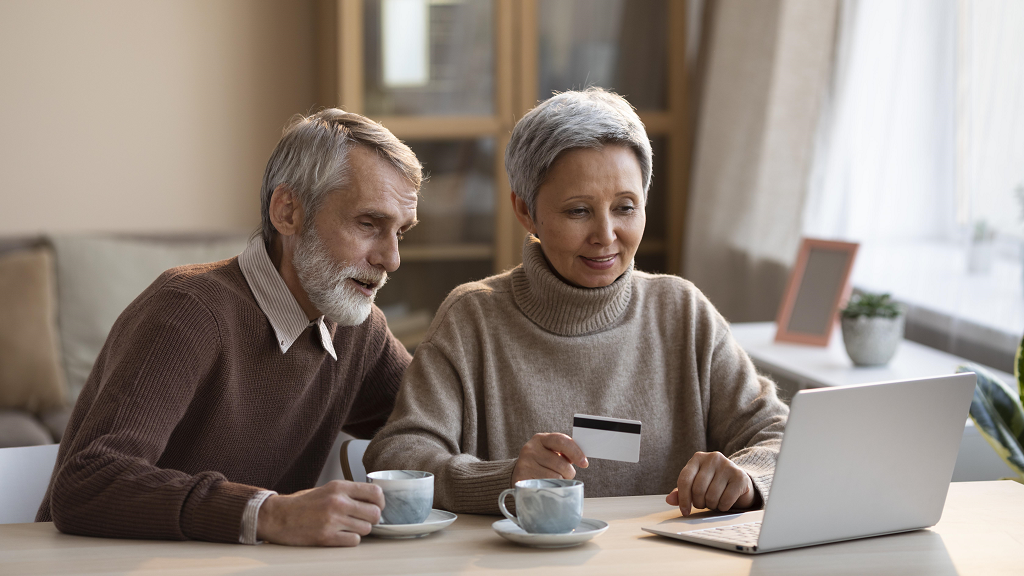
798	366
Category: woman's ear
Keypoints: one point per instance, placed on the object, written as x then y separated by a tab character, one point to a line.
286	212
523	214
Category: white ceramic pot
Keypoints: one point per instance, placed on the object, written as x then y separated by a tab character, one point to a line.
872	341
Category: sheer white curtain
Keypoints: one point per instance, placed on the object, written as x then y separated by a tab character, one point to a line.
885	162
921	140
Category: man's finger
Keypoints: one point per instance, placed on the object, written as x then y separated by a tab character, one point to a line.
566	446
340	538
365	492
364	511
354	525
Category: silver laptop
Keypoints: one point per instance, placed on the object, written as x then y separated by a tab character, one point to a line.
855	461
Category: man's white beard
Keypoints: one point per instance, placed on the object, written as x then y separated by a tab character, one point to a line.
326	282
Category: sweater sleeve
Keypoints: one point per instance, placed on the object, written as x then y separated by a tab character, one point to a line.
434	429
162	349
384	364
745	418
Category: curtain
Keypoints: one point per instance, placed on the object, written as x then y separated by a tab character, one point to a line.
767	70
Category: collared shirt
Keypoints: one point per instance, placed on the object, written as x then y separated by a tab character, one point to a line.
276	300
289	322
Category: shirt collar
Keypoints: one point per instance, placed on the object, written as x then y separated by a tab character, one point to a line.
276	300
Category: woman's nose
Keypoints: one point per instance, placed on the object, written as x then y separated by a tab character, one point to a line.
603	232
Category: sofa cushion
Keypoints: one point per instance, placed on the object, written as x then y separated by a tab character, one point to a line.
19	428
31	377
98	277
56	421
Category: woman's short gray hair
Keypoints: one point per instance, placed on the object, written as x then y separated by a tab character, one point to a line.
312	159
592	118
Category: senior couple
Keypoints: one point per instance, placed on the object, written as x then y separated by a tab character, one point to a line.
214	403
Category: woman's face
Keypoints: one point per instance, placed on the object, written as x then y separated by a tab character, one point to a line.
589	214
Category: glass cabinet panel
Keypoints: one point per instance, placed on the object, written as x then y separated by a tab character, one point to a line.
429	57
616	44
650	256
456	203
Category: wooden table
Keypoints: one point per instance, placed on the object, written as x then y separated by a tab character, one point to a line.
981	532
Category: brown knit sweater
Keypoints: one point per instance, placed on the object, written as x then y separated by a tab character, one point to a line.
191	408
521	352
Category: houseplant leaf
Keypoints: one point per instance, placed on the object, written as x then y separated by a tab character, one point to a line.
997	413
1018	362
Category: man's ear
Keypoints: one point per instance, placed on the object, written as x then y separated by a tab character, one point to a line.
523	214
286	213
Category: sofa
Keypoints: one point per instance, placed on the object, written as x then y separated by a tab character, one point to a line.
59	297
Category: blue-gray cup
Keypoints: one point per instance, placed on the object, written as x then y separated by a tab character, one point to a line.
545	506
408	495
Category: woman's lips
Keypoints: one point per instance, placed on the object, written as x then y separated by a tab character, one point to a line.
600	262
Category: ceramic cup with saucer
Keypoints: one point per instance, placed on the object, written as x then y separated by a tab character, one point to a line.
545	506
587	529
408	495
437	520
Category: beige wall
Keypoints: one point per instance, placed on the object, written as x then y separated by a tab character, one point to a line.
156	116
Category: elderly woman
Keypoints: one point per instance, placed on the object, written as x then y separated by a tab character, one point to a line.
491	392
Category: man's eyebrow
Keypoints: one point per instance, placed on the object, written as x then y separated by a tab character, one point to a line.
377	215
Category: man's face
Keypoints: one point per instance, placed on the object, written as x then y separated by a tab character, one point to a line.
345	254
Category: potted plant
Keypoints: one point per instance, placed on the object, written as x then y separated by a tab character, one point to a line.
872	328
998	413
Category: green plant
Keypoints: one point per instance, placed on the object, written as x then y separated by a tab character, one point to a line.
872	306
998	414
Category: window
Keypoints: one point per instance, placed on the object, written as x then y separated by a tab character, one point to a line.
920	155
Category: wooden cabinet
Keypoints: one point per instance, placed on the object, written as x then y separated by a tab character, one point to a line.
451	78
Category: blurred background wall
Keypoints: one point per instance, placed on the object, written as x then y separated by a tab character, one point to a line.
156	116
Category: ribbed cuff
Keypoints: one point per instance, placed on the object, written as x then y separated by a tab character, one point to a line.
474	486
218	516
251	515
759	464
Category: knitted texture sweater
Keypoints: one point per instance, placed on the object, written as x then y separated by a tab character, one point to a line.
191	408
521	352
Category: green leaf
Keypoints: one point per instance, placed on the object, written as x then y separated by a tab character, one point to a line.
1018	364
997	413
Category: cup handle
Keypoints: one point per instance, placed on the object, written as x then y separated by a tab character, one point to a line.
501	505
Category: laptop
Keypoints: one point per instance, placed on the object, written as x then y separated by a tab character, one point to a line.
855	461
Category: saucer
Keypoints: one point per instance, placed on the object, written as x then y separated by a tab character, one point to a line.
437	520
588	528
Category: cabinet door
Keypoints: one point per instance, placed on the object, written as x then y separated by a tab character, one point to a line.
451	77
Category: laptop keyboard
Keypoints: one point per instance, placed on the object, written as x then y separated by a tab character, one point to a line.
742	534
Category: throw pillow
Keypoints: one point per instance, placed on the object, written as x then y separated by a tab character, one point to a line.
97	278
31	378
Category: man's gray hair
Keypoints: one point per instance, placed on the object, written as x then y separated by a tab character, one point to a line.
312	159
592	118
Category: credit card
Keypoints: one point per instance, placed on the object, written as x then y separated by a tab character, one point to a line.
607	438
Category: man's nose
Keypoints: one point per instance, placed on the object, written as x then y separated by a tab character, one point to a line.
385	254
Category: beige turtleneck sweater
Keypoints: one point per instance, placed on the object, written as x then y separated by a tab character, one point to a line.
521	352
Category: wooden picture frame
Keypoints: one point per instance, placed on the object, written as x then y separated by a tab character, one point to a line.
817	287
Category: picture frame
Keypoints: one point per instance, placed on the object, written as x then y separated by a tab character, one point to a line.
818	285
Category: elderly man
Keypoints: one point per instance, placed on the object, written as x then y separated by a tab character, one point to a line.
225	384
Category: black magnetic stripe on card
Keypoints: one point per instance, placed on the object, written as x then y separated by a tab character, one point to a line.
605	425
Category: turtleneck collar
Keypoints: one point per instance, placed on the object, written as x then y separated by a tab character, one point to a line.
561	308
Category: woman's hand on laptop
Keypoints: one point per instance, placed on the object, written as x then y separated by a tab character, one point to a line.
710	480
548	456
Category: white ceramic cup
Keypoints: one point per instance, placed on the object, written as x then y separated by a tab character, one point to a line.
408	495
545	506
